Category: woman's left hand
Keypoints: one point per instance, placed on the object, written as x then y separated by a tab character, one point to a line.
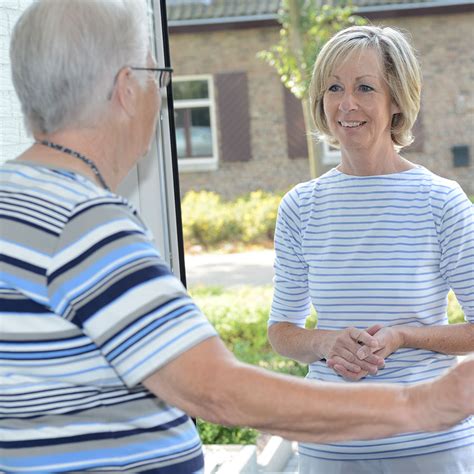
389	339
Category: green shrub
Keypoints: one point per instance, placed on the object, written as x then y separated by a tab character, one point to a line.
257	214
240	317
218	434
455	312
208	221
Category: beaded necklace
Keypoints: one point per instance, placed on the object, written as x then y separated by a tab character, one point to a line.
75	154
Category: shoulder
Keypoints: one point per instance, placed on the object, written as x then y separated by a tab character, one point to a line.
54	185
72	205
48	199
436	182
445	191
303	193
448	201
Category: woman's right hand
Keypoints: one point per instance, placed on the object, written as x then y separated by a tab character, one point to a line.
341	347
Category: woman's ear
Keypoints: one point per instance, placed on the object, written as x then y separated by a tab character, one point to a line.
125	91
394	108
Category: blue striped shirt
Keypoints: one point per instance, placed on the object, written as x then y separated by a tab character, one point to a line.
88	309
377	249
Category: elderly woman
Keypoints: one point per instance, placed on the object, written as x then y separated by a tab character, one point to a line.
375	244
102	352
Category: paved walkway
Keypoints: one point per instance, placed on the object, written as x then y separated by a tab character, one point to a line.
249	268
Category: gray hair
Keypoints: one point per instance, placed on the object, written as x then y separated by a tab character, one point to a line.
401	70
65	55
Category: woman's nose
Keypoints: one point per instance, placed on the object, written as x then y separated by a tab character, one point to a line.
347	103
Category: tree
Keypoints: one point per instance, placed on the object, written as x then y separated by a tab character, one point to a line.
306	26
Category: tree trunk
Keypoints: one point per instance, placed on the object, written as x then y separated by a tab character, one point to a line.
310	140
296	42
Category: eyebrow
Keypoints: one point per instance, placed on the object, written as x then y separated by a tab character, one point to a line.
357	78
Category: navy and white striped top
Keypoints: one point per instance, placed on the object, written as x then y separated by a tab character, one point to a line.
88	309
377	249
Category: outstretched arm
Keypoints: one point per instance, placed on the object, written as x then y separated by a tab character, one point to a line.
208	382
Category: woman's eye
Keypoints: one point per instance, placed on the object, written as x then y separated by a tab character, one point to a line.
334	88
365	88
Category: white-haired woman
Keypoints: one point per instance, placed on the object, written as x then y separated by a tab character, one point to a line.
375	243
102	352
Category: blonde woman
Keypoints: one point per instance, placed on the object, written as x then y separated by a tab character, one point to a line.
375	245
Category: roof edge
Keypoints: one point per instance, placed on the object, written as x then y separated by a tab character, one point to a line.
271	18
400	7
222	20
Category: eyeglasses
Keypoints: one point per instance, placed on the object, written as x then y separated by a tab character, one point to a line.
162	74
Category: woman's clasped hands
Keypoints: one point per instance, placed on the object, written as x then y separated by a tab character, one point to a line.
355	353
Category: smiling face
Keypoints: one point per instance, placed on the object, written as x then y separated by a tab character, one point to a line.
358	105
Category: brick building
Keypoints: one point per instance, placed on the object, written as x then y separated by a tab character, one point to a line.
238	129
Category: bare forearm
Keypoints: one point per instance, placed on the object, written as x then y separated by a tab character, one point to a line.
319	412
208	382
303	345
454	339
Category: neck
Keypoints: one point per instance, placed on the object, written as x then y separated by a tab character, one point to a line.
89	143
380	161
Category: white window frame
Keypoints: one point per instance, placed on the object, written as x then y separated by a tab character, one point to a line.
150	184
330	157
207	163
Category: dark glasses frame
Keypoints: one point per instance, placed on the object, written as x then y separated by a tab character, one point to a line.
163	76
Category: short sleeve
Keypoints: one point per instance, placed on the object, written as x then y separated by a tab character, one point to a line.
456	233
107	278
291	302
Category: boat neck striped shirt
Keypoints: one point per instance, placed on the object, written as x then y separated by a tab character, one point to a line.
377	249
88	309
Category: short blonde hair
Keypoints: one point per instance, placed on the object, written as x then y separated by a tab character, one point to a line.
400	67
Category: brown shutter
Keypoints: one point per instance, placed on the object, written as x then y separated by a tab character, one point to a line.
295	127
234	118
418	133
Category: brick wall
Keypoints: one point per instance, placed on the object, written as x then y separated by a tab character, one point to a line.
445	49
13	138
235	50
444	43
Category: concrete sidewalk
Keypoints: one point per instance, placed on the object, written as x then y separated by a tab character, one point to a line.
230	270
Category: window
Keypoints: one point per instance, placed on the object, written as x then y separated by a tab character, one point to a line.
331	155
195	123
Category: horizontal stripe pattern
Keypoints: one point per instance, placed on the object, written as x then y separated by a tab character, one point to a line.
88	309
377	249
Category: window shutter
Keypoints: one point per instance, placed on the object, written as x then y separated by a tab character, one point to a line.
418	133
234	118
295	127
